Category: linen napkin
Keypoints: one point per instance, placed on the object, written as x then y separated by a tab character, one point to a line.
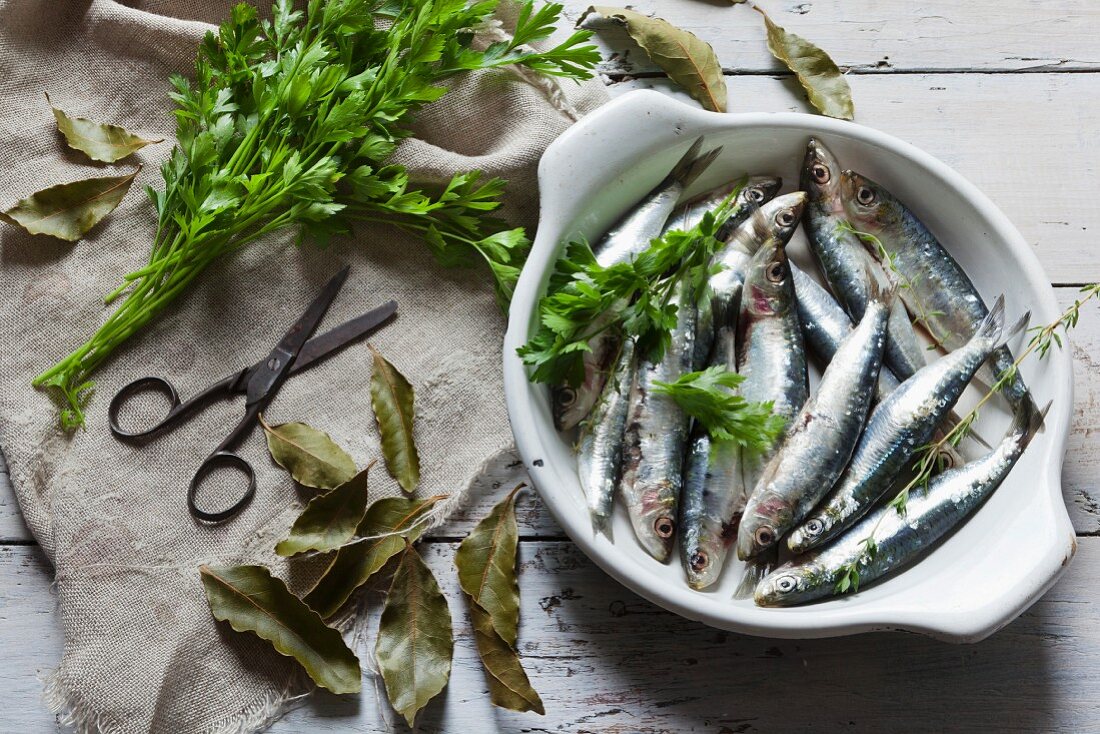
142	652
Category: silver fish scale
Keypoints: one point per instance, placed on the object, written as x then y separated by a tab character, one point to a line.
656	434
713	491
600	449
847	265
898	426
899	538
825	325
940	291
773	363
821	437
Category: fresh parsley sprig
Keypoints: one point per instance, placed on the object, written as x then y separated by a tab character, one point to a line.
289	122
708	397
585	299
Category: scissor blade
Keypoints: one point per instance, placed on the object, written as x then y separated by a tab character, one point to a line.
303	328
325	345
276	366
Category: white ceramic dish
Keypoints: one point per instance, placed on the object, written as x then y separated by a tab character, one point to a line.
986	573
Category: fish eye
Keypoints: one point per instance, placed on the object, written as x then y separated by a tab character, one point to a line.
865	196
774	273
814	527
698	561
566	397
785	583
820	173
765	536
756	195
664	527
785	218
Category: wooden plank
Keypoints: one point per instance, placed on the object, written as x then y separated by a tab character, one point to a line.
606	661
879	37
1032	160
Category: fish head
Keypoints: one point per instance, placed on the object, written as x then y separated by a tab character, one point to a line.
759	190
868	206
783	213
790	584
820	177
705	553
571	403
776	219
808	534
768	288
568	407
655	522
764	522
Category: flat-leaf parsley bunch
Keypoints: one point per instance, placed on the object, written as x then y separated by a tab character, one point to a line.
289	122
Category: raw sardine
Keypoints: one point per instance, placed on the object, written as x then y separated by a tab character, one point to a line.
930	513
821	438
771	356
714	493
935	289
845	261
898	427
656	437
713	490
600	449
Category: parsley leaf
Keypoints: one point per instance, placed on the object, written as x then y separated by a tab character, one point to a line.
708	397
585	299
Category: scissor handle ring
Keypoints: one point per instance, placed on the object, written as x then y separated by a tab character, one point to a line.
212	462
140	385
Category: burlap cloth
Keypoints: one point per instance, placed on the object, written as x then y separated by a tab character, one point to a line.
142	652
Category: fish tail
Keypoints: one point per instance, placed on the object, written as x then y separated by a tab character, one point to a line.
993	324
953	419
1015	330
1028	420
876	291
755	570
692	164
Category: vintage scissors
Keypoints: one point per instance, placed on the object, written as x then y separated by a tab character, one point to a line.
259	383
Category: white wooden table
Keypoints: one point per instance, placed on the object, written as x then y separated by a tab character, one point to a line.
1008	93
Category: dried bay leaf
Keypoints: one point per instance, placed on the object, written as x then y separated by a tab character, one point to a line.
486	563
688	60
67	211
99	141
415	642
354	564
329	520
509	686
310	455
250	599
391	398
818	74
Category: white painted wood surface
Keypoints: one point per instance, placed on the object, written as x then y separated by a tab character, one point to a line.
1008	93
880	36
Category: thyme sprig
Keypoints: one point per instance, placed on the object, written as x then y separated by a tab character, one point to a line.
930	456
